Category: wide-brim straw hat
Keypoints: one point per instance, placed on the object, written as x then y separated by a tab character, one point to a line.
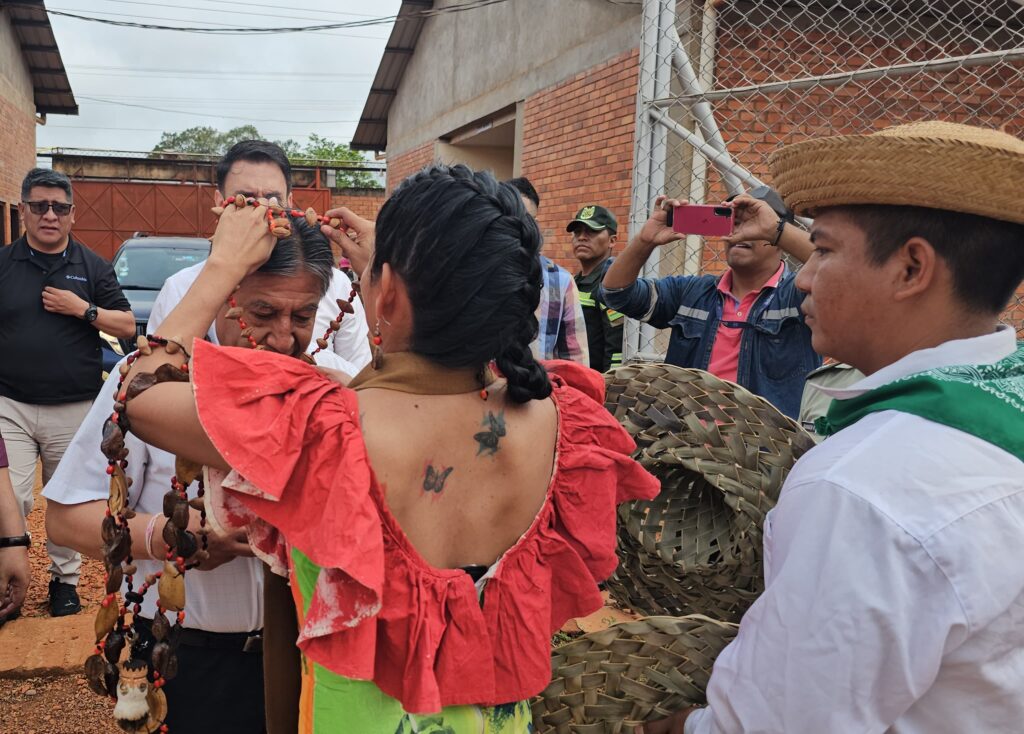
937	165
614	680
722	455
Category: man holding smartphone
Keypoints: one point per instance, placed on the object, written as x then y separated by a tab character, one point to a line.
56	295
744	326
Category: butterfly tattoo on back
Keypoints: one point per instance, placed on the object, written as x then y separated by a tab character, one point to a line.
433	480
488	440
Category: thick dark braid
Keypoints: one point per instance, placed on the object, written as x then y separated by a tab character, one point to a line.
468	254
527	380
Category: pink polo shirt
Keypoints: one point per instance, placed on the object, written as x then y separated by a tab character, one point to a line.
725	353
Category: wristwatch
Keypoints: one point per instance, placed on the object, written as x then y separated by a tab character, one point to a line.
15	541
90	314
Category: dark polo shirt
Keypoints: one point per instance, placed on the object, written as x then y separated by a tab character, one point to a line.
47	358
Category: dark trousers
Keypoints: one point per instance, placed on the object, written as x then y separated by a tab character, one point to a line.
218	688
283	662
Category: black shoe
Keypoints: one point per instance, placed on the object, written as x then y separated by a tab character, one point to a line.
13	615
63	599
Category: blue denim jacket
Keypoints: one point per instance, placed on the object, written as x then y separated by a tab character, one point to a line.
775	348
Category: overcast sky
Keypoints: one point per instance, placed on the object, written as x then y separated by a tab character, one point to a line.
287	85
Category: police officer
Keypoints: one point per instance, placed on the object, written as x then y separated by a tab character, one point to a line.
594	230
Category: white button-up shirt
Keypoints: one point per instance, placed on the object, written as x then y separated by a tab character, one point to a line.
228	598
351	346
894	569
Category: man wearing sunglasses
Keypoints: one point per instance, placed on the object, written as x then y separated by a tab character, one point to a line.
56	295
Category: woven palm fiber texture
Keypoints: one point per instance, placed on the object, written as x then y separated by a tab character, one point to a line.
722	455
611	681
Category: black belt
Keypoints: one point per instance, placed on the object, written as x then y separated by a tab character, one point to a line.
244	641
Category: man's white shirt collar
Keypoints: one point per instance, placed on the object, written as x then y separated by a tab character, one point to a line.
987	349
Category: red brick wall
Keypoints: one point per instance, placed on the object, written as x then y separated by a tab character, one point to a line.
405	164
578	148
17	152
755	126
363	202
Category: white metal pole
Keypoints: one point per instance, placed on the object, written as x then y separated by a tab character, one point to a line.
650	153
694	244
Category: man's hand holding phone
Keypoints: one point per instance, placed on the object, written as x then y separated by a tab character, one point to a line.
755	221
657	230
702	219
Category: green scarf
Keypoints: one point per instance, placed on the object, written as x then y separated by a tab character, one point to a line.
986	401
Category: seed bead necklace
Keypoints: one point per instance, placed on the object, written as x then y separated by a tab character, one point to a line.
136	682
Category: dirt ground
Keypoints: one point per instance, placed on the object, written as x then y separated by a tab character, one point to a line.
90	588
61	704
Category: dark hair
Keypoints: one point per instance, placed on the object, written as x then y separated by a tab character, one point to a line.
985	256
525	188
48	178
305	248
257	151
469	256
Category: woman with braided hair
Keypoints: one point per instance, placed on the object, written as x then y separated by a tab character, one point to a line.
445	513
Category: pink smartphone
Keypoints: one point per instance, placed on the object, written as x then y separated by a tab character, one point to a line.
702	219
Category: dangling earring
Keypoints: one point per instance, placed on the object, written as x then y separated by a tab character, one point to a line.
482	377
378	353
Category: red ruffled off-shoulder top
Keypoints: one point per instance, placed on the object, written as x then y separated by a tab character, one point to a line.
302	480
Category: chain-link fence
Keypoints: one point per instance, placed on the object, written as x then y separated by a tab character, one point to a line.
724	83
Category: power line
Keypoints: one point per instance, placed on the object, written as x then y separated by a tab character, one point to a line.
136	3
161	130
215	72
471	5
275	8
194	101
219	116
227	27
100	75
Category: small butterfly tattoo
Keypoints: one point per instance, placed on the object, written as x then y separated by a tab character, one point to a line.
488	440
433	480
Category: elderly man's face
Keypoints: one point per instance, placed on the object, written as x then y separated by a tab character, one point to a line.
848	296
281	309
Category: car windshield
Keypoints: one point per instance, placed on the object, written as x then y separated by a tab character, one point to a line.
149	267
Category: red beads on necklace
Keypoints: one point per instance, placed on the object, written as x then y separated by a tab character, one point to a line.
234	312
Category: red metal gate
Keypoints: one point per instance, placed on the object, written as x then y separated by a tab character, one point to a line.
107	213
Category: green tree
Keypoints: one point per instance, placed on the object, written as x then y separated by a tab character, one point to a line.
204	140
321	149
317	151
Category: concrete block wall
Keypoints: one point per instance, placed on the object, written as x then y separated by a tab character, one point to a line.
755	126
578	148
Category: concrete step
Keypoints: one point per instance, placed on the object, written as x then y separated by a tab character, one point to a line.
42	646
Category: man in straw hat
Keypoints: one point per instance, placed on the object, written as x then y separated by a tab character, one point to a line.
894	597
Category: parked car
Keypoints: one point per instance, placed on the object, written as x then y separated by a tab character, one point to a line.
141	265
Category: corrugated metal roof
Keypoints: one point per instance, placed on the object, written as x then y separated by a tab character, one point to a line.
50	84
372	130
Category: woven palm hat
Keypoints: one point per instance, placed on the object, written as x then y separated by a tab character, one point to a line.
721	454
937	165
614	680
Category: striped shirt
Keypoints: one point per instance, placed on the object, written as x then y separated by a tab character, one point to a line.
562	331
